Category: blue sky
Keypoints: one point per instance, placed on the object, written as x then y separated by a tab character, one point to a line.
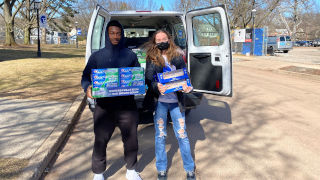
167	4
318	4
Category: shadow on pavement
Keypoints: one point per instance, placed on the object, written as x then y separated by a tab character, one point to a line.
17	54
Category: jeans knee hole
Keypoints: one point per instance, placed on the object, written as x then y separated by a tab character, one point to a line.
181	122
162	134
160	122
181	133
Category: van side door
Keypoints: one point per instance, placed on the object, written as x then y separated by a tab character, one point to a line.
96	36
209	52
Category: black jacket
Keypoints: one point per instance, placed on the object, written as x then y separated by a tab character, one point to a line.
111	56
152	69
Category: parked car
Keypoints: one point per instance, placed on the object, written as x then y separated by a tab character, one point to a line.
316	43
300	43
279	43
203	35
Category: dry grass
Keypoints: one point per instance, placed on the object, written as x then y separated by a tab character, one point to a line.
11	167
54	76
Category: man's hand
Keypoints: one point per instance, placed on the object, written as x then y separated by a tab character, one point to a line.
162	88
89	92
186	88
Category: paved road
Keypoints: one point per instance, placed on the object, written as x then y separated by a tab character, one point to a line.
267	130
24	126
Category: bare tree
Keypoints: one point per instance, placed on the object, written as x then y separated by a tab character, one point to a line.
161	8
186	5
53	8
9	13
309	28
291	13
239	11
86	7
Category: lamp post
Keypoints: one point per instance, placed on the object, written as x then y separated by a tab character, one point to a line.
76	23
253	11
36	6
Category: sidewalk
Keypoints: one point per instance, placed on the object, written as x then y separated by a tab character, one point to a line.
310	69
30	133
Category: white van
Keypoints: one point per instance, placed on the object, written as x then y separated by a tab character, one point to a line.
203	35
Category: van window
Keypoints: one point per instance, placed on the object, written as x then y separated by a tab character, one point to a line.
180	35
135	37
97	33
207	30
288	38
282	38
138	32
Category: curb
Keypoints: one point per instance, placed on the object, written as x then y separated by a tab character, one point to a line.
42	157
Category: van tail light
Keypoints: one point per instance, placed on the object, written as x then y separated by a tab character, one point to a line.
217	84
184	58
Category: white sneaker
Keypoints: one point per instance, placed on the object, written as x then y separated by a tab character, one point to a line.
98	177
133	175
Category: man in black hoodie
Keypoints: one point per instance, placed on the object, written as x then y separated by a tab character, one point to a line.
110	112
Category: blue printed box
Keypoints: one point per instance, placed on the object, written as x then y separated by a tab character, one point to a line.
170	76
176	85
117	82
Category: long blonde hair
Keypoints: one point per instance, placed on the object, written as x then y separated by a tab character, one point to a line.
154	54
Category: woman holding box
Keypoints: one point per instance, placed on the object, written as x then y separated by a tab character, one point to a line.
163	56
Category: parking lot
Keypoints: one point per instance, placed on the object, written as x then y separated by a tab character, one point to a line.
305	55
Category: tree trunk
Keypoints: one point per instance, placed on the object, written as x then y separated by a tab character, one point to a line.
27	31
43	35
10	35
9	22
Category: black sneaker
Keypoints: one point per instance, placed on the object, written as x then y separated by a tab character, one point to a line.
162	175
191	175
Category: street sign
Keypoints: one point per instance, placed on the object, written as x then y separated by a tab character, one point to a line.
43	21
239	35
79	31
248	35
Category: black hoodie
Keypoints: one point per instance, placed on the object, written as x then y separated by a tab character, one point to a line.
111	56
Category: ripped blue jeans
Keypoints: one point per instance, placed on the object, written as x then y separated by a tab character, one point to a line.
179	127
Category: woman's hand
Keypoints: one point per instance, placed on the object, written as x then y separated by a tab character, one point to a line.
162	88
186	88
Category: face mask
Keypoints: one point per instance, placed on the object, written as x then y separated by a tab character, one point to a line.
163	45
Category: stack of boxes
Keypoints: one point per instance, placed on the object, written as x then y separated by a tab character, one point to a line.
174	80
117	82
141	57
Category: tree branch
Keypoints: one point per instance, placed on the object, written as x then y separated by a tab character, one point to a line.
285	23
17	10
270	10
12	3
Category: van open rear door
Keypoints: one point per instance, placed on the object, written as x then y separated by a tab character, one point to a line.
96	37
209	51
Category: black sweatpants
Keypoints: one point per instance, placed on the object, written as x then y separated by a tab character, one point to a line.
105	122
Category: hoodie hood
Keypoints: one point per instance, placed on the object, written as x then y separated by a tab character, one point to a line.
108	43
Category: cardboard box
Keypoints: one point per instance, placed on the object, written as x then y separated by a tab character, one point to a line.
172	76
141	55
176	85
117	82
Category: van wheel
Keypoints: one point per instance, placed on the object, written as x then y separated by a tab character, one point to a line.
286	51
270	51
